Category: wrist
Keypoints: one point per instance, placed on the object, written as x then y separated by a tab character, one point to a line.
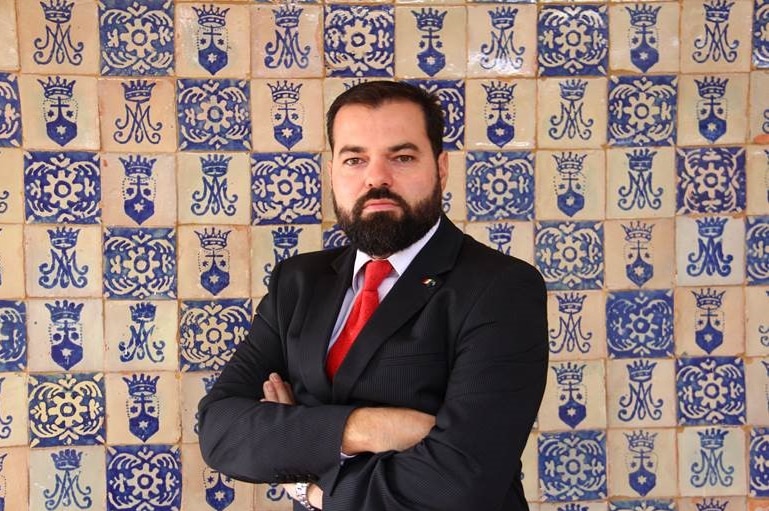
302	492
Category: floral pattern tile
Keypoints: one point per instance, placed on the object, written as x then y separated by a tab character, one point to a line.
214	114
358	40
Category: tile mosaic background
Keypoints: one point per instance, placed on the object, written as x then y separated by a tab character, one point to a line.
159	158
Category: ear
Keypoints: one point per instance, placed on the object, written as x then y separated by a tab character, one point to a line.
443	168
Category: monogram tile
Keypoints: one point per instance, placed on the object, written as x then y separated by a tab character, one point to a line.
640	183
287	115
643	37
711	390
58	36
286	41
203	488
13	325
66	409
714	37
209	256
573	333
142	188
711	461
12	186
212	40
143	407
65	334
451	94
638	254
642	110
140	335
712	504
508	114
358	40
285	188
11	252
575	397
144	476
500	185
573	40
10	105
214	188
640	324
759	449
139	263
14	477
67	478
511	238
640	462
757	391
13	409
137	115
63	261
503	40
272	497
210	330
194	385
272	244
9	54
713	109
710	250
756	239
214	115
759	103
641	393
756	322
570	184
137	39
761	34
577	119
710	321
62	187
570	254
60	112
644	505
424	46
572	465
454	200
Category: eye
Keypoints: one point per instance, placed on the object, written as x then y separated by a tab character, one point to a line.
353	161
404	158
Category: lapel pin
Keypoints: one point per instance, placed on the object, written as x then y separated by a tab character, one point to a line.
427	281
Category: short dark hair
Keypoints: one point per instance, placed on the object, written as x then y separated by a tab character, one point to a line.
375	93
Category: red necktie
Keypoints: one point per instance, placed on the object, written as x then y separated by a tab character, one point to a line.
362	309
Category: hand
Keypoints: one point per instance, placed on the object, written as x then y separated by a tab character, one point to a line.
314	494
277	391
385	429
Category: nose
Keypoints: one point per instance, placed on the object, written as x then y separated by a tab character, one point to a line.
378	173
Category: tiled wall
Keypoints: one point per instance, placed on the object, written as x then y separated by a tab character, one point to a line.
157	159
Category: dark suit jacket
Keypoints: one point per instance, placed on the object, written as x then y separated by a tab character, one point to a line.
462	335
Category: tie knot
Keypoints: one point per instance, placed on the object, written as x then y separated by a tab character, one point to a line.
375	273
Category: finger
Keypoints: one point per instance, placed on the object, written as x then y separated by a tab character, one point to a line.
281	390
290	489
269	392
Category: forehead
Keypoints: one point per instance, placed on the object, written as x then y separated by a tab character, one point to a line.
366	125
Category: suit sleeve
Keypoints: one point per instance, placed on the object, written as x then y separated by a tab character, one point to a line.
266	442
472	455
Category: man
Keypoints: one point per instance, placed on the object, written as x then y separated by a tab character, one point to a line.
429	404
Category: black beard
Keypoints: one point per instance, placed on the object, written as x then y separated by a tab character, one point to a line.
382	234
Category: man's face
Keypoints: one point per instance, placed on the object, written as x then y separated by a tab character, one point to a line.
386	181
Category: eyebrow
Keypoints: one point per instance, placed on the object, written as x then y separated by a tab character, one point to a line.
392	149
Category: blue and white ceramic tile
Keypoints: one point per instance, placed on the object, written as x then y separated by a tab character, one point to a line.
10	106
712	461
451	94
711	390
65	260
710	250
13	335
11	252
65	335
272	244
209	332
194	385
757	391
640	324
640	182
14	476
424	42
642	110
500	186
640	462
454	198
574	333
715	504
710	321
144	477
713	109
62	187
570	254
639	254
214	115
756	241
503	41
529	468
509	118
641	393
643	505
203	488
756	321
139	263
214	188
570	185
285	188
573	506
572	466
13	409
67	478
572	113
716	36
66	409
759	107
359	40
511	238
759	452
141	335
644	37
137	39
334	237
12	186
9	35
761	34
575	397
573	40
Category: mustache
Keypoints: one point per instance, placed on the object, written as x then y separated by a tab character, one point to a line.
379	193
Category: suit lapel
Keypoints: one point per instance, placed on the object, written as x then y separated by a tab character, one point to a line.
410	293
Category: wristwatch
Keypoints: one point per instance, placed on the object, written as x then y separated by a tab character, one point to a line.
301	496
